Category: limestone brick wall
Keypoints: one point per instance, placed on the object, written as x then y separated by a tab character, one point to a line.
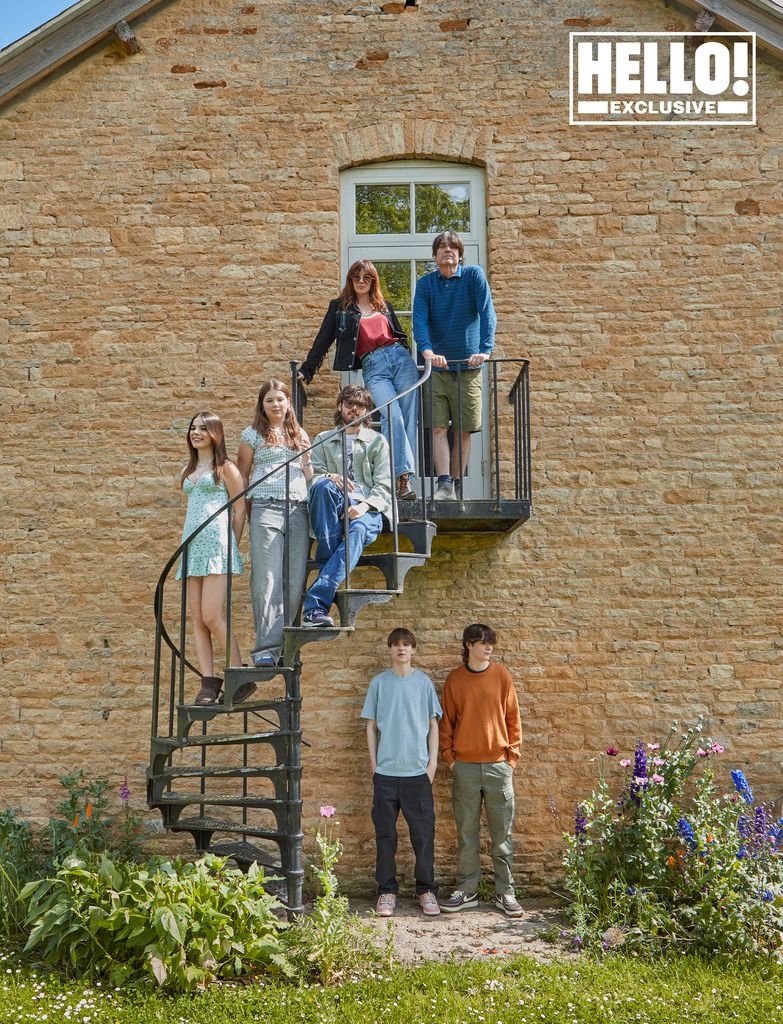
169	236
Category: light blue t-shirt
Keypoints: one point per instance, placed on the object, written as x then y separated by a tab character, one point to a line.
402	707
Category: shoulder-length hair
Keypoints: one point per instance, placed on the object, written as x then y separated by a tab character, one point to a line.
348	295
355	392
476	633
214	427
292	432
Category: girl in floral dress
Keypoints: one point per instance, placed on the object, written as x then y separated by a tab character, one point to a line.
209	480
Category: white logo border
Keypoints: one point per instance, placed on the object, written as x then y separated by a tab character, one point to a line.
667	123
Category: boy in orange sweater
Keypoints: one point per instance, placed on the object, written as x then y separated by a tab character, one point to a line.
479	741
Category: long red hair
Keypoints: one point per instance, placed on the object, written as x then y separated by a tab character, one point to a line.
292	432
214	427
348	295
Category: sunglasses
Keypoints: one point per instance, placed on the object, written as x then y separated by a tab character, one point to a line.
361	278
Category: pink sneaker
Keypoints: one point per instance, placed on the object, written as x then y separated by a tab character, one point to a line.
387	901
429	905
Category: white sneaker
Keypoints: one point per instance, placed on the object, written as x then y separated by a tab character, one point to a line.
444	492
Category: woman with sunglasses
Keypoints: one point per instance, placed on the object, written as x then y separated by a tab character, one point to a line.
367	335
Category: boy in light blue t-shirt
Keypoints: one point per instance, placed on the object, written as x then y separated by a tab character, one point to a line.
402	712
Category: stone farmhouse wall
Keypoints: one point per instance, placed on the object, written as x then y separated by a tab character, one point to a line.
169	237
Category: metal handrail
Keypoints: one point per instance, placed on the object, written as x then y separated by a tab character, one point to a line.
162	633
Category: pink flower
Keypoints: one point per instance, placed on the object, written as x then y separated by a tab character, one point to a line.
703	753
653	746
612	751
625	762
658	779
640	780
327	811
658	761
716	748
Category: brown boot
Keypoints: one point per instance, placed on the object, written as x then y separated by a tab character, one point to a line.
210	688
244	692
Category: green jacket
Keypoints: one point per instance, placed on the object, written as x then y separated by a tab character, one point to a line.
370	464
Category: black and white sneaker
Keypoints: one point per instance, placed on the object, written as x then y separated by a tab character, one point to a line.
317	617
459	900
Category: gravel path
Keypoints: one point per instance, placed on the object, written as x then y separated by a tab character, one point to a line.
468	935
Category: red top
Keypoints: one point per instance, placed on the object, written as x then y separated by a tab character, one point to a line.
374	332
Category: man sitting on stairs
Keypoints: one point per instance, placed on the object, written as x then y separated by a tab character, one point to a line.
367	484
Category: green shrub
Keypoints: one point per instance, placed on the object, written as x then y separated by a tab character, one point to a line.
666	862
183	925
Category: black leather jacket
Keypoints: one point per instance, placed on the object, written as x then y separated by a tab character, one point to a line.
342	326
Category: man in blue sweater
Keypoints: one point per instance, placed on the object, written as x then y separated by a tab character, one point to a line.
453	322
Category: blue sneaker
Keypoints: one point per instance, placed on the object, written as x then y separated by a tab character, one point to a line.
317	617
264	659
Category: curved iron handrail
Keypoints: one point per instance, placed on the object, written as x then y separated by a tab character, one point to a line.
283	466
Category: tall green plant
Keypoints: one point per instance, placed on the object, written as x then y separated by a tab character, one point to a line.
332	943
80	825
20	862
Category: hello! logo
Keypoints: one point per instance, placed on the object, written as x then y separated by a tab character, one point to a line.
668	78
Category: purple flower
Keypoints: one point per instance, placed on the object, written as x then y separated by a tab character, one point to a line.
741	785
685	829
639	772
580	823
760	822
743	826
124	792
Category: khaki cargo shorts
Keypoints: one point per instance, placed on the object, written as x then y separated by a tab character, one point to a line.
444	400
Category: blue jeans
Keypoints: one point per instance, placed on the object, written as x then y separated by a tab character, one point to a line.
326	511
387	371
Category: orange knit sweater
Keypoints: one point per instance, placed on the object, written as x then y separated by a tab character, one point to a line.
480	720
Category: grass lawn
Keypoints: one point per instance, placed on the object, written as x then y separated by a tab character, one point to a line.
509	991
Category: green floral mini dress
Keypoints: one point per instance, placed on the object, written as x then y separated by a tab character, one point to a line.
208	552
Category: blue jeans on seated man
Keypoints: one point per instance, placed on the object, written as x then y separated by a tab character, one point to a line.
387	371
326	511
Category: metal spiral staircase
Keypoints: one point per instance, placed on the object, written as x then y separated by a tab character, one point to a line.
233	771
230	773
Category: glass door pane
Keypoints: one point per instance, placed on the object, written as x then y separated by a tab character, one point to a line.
383	209
442	207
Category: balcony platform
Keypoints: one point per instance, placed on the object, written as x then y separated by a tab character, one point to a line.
469	516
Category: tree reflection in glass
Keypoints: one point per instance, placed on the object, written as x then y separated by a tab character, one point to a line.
383	209
442	208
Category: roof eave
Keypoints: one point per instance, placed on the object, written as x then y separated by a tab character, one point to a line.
59	41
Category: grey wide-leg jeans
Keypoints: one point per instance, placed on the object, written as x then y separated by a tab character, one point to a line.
269	534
